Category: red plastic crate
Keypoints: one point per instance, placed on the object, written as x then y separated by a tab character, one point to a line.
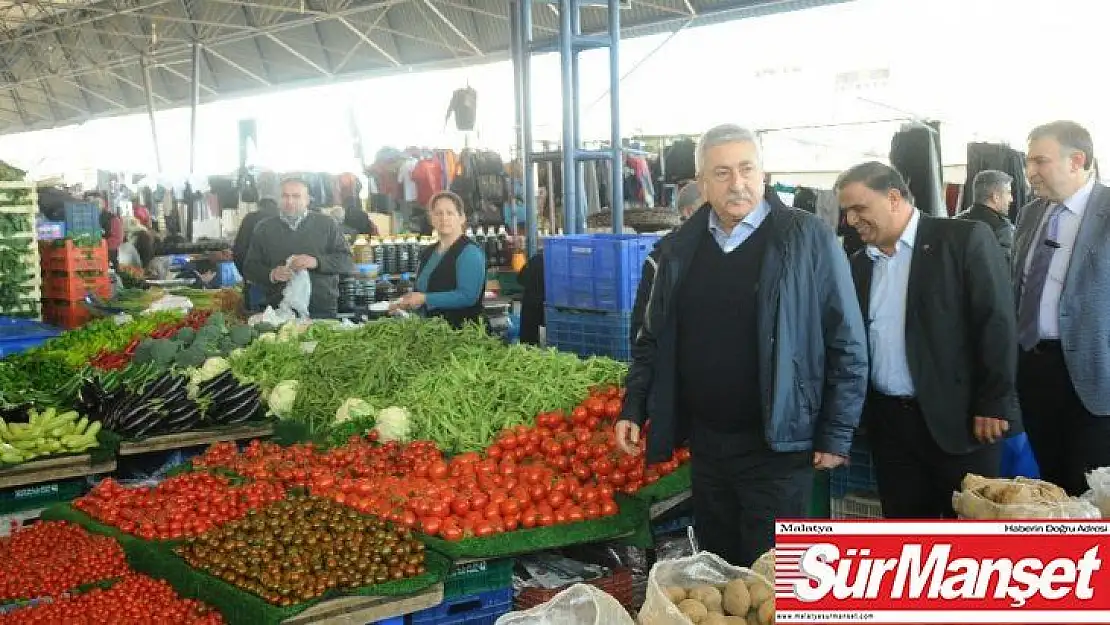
66	315
74	288
70	258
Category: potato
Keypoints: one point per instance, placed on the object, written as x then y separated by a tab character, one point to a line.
709	596
767	612
716	618
759	591
693	610
737	600
675	593
753	618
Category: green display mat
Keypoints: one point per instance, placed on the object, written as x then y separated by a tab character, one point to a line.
667	486
631	519
237	606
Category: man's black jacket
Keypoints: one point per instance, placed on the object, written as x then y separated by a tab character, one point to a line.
961	337
812	349
1001	227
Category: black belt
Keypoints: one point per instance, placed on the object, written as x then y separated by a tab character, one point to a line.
1046	346
894	401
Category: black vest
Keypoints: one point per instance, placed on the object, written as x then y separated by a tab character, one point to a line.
443	279
718	358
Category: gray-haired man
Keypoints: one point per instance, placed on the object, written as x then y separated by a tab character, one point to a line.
992	194
752	348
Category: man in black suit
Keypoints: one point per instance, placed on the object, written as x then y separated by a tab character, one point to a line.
937	302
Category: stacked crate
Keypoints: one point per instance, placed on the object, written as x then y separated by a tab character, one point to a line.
19	259
590	284
71	271
854	488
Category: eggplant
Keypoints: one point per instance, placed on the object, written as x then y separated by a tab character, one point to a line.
244	412
233	395
220	381
137	416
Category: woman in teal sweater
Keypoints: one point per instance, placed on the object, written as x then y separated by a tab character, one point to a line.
451	280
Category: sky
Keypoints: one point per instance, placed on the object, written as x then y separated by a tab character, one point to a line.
988	69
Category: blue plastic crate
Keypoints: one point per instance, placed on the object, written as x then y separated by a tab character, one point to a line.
397	620
858	476
589	333
481	609
595	271
17	335
51	230
82	217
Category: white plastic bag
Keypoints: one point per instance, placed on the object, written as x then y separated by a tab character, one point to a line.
297	293
1034	499
581	604
701	569
1099	483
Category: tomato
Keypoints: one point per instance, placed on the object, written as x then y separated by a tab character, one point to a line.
613	409
595	407
579	415
452	534
494	451
556	500
609	508
431	525
479	501
537	492
438	470
460	506
509	507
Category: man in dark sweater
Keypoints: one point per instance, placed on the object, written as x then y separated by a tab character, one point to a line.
299	240
751	349
993	193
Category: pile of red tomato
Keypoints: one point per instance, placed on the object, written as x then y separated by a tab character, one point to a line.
132	600
49	558
183	505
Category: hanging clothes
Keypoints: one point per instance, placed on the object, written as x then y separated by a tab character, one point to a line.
983	156
679	161
404	178
915	153
589	183
427	175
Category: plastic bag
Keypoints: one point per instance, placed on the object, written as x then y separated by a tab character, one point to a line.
975	503
702	569
296	296
581	604
1099	495
1018	459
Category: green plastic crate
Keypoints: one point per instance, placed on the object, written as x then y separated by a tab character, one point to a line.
475	578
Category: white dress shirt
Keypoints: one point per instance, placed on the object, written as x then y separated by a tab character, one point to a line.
1067	229
886	330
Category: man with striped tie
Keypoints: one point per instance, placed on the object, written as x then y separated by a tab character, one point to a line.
1061	271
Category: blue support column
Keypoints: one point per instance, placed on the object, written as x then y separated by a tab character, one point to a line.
570	114
617	181
570	43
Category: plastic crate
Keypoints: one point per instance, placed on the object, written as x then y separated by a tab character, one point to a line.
65	315
856	507
82	217
589	333
51	230
68	257
478	609
595	271
74	287
478	577
859	475
17	335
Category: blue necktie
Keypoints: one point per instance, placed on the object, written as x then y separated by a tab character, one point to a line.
1029	310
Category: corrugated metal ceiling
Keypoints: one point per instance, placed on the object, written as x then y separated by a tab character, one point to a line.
64	62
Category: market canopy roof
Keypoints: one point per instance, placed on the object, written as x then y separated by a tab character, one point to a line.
67	61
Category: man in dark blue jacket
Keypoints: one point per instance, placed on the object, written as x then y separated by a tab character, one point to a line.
752	349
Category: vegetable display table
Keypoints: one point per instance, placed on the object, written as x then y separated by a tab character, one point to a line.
194	439
348	610
50	469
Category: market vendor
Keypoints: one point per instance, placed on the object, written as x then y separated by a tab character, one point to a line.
309	241
451	280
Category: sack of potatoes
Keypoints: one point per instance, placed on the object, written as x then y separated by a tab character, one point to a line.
703	589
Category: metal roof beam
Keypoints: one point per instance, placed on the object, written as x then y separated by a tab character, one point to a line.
187	6
291	50
454	29
241	69
143	6
182	76
320	40
364	38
